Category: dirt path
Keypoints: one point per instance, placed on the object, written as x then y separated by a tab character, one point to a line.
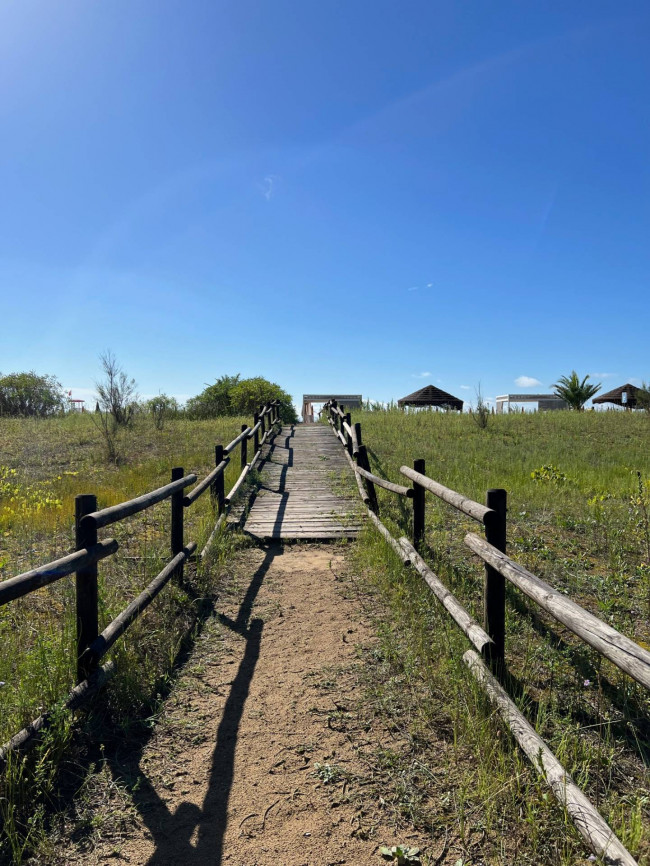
253	762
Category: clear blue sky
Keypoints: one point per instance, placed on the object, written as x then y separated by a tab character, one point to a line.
356	196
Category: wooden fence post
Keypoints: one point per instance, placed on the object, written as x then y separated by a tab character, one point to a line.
418	506
494	588
256	434
244	448
348	438
219	483
177	521
357	430
362	461
263	419
85	582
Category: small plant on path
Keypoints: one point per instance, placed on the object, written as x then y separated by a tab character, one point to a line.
400	854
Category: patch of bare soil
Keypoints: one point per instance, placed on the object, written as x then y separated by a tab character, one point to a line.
256	759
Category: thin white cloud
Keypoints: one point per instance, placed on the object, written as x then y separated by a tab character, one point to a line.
603	375
413	289
466	387
421	375
269	186
526	381
429	285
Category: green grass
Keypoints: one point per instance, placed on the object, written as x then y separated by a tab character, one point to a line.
44	463
578	518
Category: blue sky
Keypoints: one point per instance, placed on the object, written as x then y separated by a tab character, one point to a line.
362	197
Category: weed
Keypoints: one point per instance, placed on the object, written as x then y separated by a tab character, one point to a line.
329	774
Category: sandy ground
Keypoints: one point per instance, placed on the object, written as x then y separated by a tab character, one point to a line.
253	761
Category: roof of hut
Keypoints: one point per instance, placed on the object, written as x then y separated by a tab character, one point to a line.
431	396
616	396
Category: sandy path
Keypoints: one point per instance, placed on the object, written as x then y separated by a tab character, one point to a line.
251	763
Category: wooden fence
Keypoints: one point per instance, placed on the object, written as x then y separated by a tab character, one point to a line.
487	662
91	645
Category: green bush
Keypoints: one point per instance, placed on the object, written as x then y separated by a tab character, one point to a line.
28	394
231	395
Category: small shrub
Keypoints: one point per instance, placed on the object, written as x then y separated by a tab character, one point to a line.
549	473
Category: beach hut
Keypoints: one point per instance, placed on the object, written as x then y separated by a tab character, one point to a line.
623	396
431	396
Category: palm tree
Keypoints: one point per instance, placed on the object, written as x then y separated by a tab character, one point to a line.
574	392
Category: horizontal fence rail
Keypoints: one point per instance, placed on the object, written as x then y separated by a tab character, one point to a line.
488	665
467	506
126	509
387	485
100	646
91	646
203	485
588	821
235	442
461	617
22	584
78	696
627	655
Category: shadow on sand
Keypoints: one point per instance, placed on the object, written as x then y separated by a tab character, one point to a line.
207	824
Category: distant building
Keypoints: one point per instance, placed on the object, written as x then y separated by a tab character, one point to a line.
350	401
431	396
545	402
624	396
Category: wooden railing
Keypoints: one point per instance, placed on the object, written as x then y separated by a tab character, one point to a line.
488	664
91	645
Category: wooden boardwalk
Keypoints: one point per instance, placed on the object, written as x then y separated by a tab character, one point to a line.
307	489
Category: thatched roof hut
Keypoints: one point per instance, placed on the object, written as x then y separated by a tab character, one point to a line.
616	396
431	396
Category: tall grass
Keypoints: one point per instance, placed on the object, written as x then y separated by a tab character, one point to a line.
44	464
578	495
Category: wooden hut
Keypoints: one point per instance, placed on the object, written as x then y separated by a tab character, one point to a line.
623	396
431	396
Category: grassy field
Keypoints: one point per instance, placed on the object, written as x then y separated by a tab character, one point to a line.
44	463
578	502
579	497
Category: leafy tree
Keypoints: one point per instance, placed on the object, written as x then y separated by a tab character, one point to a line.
249	394
28	394
231	395
214	401
574	392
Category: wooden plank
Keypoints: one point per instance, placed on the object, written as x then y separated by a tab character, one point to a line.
297	496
